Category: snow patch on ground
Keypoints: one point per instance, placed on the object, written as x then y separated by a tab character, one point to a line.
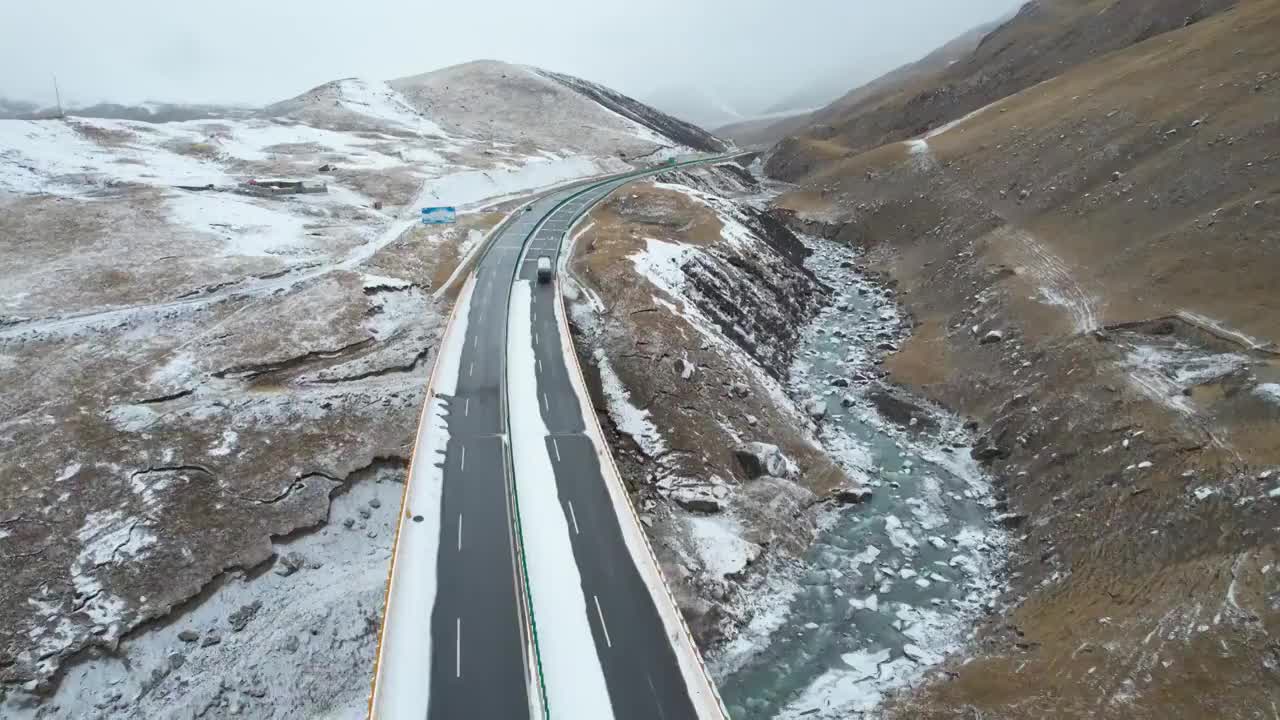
108	539
378	99
39	156
661	262
132	418
1268	391
1163	372
1220	329
246	227
719	544
68	472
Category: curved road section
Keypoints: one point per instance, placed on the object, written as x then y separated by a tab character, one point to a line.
521	583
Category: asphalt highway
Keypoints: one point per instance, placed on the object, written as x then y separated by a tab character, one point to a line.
479	645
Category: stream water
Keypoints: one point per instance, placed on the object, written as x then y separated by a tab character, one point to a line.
891	585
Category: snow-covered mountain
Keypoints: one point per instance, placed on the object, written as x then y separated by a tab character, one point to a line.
532	109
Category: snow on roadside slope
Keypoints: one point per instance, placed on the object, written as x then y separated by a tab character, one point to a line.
405	657
628	418
574	677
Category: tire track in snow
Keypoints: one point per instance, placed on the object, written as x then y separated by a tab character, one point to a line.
1057	285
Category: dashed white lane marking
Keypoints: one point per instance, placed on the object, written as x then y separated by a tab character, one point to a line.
603	627
463	464
545	404
466	407
457	656
574	518
459	531
471	369
556	445
539	366
657	702
535	337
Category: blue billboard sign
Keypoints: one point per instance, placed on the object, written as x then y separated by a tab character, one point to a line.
439	215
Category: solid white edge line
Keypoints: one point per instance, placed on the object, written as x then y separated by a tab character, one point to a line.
574	517
603	627
457	654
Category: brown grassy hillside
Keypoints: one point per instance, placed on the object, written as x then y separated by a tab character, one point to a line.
770	131
1046	38
1119	226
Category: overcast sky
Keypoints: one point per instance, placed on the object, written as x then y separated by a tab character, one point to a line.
260	51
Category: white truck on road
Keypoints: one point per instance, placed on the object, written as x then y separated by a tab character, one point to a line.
544	269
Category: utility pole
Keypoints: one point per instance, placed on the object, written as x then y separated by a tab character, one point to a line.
58	96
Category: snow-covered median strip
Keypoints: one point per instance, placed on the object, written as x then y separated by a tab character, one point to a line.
404	657
572	672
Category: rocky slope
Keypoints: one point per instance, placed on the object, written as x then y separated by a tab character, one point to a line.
210	379
686	322
1086	243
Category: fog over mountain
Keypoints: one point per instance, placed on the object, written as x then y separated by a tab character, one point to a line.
747	53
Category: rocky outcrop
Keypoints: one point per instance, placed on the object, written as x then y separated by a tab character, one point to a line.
757	459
